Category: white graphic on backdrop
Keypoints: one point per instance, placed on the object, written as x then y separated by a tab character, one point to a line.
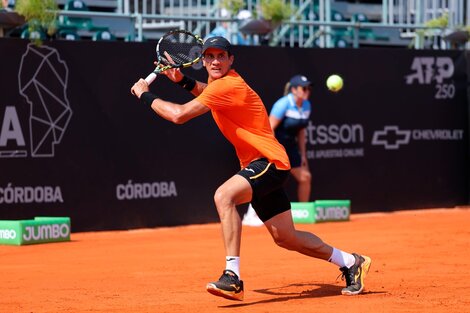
11	132
42	80
434	71
393	138
335	141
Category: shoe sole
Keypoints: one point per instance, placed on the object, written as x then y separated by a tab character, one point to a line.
365	266
230	295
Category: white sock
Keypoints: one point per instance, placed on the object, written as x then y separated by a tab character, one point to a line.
341	258
233	263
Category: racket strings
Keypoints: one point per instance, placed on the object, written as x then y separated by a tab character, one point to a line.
178	48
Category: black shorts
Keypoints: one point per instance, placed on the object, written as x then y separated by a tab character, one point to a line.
269	198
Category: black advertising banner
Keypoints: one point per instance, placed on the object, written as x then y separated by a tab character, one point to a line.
396	136
74	141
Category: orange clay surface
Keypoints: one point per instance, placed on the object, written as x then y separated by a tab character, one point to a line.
420	263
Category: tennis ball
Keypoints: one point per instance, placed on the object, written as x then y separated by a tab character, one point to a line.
334	83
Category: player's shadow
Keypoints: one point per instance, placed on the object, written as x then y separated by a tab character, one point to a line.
285	293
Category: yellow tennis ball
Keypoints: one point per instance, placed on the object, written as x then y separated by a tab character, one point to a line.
334	83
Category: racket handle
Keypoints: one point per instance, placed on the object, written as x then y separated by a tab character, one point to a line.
150	78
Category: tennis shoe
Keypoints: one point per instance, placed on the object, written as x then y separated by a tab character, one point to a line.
355	275
228	286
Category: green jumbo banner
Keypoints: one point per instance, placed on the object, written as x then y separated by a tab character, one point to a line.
321	211
38	230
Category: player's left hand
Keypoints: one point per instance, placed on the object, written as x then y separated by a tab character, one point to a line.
139	88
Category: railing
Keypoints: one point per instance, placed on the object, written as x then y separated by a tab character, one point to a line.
315	27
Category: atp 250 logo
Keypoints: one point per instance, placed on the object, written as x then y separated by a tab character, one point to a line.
435	71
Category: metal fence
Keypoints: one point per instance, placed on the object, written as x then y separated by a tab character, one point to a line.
321	23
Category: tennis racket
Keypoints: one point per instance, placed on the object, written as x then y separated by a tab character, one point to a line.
176	49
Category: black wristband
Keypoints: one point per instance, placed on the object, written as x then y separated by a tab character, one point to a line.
187	83
148	97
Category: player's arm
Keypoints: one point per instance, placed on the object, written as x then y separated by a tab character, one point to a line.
197	90
188	83
176	113
194	86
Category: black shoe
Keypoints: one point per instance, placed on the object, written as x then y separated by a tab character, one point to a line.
355	275
228	286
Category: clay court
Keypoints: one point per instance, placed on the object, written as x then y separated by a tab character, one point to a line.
420	262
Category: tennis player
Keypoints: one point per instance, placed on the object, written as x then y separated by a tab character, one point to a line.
241	116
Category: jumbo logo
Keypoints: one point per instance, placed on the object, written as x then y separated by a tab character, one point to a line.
7	234
42	82
44	232
300	213
333	213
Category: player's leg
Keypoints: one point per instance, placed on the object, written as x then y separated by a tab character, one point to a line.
233	192
353	266
304	180
281	228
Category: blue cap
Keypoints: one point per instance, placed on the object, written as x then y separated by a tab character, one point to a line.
300	80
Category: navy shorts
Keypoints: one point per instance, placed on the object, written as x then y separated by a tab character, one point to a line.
269	198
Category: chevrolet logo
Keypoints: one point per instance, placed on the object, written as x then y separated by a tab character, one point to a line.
391	137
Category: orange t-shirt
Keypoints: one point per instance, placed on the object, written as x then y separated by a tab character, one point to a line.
241	116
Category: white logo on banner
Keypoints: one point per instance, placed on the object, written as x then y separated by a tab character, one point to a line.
42	81
11	131
392	138
433	70
133	191
344	141
44	232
